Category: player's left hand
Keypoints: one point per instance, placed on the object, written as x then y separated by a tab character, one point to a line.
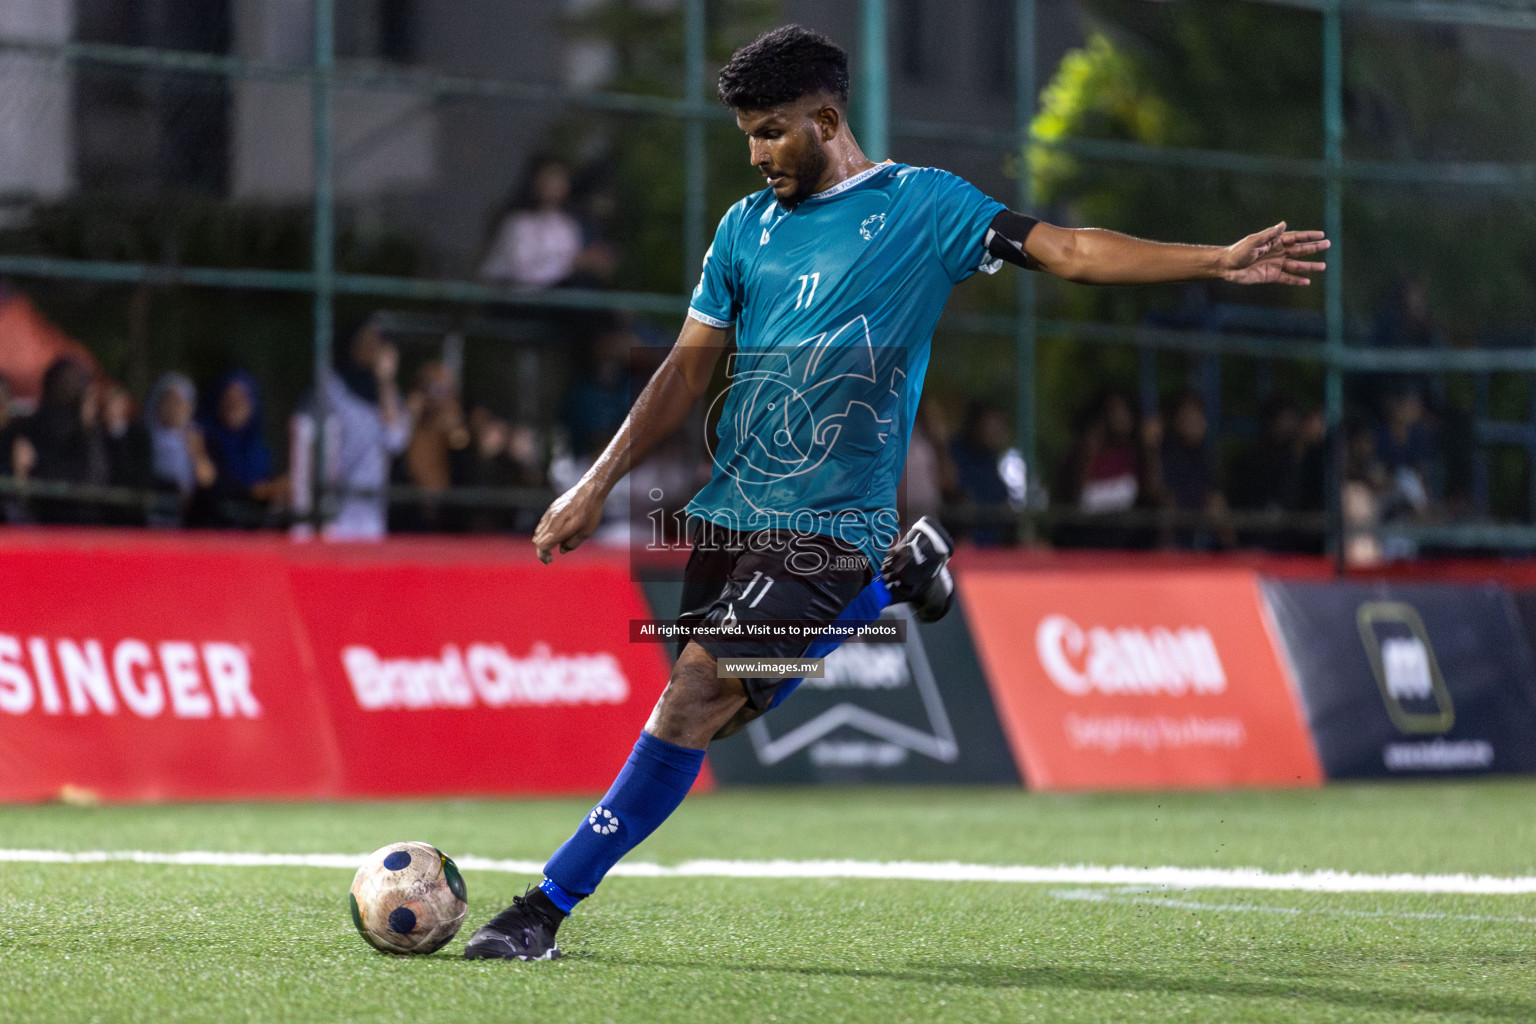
1270	257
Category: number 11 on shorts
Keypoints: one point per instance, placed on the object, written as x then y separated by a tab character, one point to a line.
767	583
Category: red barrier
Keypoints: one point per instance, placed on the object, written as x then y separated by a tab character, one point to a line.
141	666
1137	680
156	674
508	678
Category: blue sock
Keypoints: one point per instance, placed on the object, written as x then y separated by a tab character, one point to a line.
650	787
866	607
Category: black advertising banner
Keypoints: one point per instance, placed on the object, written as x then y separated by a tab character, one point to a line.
917	712
1410	680
1525	603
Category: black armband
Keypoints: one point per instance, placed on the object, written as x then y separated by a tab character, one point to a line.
1006	235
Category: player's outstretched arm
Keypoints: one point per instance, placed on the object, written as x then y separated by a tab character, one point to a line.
661	408
1096	256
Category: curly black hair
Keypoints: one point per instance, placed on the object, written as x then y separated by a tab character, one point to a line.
781	66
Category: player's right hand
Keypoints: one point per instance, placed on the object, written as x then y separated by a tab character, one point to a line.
569	520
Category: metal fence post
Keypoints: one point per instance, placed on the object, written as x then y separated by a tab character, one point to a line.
1024	288
1333	283
694	155
875	85
323	239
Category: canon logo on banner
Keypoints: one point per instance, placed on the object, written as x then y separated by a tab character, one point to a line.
1129	660
178	677
485	674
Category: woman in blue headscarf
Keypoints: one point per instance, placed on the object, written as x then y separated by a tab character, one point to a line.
247	482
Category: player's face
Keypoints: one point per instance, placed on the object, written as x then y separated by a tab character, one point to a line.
788	147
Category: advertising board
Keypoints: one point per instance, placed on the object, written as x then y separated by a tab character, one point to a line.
1424	680
130	674
1148	679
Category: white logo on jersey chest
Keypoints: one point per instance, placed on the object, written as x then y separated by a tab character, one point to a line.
872	226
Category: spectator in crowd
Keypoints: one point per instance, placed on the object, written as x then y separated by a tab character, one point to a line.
599	397
539	242
63	442
1283	473
365	426
501	456
247	484
1404	446
525	450
8	434
127	438
977	455
179	461
1268	477
1104	473
596	205
1183	476
129	452
1403	318
1360	495
491	464
15	457
439	438
930	473
1312	444
12	448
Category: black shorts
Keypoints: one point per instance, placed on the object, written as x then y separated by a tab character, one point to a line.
767	576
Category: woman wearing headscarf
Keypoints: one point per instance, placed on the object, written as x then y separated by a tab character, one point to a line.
247	481
64	442
179	461
128	452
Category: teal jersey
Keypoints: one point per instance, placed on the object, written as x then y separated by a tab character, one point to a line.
834	305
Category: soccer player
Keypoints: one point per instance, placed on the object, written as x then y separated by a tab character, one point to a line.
832	279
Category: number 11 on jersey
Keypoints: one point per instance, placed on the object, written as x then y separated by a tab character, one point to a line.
803	299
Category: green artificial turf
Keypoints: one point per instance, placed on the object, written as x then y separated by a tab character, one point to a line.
124	942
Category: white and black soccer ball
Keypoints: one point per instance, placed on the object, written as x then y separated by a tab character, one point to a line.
408	898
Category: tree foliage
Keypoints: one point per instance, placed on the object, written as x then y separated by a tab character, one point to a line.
1247	78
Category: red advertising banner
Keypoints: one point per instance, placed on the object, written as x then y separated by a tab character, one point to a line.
155	673
1138	680
505	678
141	666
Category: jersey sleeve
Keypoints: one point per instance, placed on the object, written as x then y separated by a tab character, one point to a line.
961	214
717	299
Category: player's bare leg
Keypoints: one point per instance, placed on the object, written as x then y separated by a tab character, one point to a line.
696	704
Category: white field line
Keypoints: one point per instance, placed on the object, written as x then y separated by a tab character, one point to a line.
910	871
1143	896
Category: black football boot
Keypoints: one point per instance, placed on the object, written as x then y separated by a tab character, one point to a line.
916	570
524	931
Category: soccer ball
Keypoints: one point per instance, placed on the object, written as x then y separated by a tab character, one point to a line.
408	898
